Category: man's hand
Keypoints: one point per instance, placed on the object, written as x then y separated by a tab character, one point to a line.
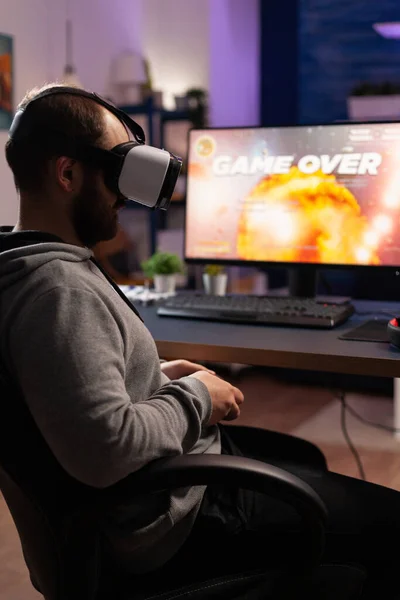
226	399
175	369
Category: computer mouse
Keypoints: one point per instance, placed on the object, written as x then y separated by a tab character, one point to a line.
394	331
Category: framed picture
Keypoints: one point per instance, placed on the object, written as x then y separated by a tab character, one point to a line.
6	81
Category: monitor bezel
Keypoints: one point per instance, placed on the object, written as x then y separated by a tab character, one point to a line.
395	270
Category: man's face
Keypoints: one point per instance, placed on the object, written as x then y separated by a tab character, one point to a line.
94	210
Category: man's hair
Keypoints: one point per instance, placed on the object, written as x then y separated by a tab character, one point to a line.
69	115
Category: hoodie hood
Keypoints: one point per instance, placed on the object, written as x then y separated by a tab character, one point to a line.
21	252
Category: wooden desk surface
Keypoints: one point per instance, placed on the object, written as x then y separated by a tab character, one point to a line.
309	349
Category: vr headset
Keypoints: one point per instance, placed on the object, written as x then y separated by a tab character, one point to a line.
132	170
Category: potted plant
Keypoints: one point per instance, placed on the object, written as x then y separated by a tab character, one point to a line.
369	101
162	268
197	100
215	280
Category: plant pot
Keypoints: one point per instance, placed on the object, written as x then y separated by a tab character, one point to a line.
165	284
181	102
368	108
215	284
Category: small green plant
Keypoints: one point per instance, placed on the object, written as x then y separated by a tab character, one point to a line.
162	263
214	270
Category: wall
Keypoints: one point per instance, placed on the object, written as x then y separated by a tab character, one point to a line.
101	29
212	44
203	43
235	67
27	21
279	62
338	49
175	41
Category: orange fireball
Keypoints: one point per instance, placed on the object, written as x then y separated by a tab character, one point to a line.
299	217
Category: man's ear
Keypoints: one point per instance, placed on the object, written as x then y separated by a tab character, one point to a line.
68	173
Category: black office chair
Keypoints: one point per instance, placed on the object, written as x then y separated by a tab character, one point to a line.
57	521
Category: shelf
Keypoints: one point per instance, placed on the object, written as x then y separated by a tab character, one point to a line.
181	201
130	205
175	115
137	109
148	107
157	118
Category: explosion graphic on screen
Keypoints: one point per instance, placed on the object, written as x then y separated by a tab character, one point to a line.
298	217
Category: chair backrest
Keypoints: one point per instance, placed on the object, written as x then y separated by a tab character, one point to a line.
52	514
59	540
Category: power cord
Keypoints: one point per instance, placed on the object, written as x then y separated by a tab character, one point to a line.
346	408
371	423
353	449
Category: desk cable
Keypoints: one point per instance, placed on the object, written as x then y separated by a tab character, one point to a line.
345	407
343	413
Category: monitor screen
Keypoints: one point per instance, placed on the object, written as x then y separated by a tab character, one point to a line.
326	195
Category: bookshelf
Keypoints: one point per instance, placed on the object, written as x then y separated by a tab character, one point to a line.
156	118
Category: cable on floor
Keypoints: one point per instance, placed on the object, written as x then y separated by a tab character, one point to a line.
343	423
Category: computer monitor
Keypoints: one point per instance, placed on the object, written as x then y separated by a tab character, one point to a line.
302	197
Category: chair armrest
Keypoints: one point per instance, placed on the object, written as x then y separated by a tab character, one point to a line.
232	471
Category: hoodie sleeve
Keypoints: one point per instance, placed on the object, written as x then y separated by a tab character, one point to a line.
67	352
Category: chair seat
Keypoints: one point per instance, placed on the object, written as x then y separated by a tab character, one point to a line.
337	582
327	582
237	586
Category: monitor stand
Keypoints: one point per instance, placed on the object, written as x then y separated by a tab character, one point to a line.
303	282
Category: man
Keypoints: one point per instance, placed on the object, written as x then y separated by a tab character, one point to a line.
119	409
105	404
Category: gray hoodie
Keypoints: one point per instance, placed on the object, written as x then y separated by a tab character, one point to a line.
90	374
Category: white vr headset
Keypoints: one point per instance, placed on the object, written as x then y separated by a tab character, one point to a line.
133	170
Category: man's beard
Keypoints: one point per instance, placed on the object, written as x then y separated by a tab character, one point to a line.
93	218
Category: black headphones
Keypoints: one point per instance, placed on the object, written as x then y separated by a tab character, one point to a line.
19	130
132	170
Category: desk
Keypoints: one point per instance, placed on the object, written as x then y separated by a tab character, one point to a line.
292	348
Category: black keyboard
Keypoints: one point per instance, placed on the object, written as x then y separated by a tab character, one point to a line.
267	310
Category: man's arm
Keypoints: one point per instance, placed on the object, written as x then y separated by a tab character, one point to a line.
67	352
